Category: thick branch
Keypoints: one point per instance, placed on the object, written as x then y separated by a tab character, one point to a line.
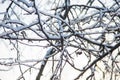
98	59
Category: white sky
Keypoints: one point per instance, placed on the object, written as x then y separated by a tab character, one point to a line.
33	52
